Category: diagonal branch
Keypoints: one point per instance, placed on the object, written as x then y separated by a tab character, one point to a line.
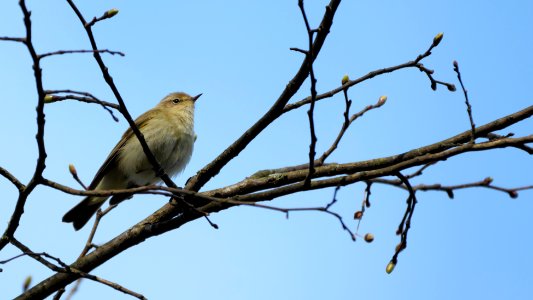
214	167
152	225
347	123
12	179
109	80
66	269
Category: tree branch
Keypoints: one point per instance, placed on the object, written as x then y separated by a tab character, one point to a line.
214	167
12	179
40	165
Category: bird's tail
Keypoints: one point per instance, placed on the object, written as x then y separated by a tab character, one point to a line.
80	214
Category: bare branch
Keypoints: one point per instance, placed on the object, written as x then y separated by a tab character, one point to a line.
13	39
468	107
214	167
61	52
405	224
349	83
263	185
85	97
347	123
12	179
309	58
159	171
68	269
40	165
108	14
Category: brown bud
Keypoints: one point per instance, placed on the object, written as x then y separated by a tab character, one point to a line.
488	180
72	170
382	100
455	64
358	215
513	194
369	237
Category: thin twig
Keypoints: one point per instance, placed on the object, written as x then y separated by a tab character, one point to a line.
324	209
158	169
467	102
405	224
410	64
346	124
13	39
277	109
61	52
74	173
420	170
309	54
89	243
108	14
12	179
366	203
85	97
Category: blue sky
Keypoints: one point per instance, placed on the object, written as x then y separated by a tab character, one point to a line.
476	246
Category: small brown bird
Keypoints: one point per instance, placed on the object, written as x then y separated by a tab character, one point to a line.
168	129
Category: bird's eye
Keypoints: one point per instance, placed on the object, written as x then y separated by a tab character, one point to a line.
176	100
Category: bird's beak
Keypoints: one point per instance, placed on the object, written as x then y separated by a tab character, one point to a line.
196	97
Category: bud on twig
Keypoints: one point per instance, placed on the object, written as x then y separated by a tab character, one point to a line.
451	87
437	39
345	79
110	13
369	237
48	98
382	100
26	283
72	170
390	267
358	215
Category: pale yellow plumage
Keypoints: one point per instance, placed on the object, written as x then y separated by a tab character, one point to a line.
168	129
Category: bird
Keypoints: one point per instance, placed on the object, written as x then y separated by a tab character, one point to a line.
168	129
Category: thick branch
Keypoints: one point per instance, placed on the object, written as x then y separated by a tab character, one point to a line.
152	225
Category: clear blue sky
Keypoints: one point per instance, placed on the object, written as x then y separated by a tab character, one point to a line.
476	246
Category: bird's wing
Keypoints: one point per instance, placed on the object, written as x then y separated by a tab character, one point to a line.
112	158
